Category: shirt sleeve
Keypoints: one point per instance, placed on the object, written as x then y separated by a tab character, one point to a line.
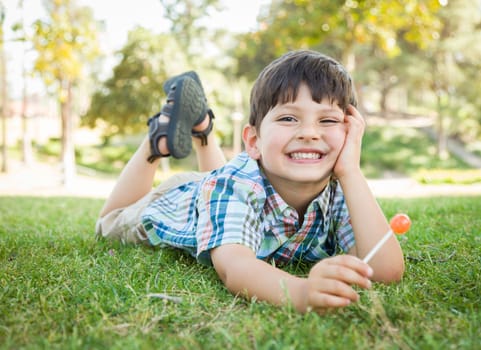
229	213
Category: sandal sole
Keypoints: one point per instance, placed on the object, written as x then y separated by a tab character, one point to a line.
188	107
191	74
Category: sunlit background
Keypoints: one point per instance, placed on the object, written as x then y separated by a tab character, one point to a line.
80	78
115	21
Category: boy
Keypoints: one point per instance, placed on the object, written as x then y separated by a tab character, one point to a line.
296	193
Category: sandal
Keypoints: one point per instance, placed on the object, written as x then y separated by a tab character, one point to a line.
188	109
202	135
156	131
191	74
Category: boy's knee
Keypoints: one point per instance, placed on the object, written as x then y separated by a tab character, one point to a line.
117	231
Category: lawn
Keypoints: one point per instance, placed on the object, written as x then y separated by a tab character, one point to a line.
61	289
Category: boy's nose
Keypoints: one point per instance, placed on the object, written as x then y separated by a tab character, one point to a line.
309	132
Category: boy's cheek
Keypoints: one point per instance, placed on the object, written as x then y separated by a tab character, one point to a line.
342	139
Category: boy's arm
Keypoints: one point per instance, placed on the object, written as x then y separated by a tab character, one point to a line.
368	221
329	284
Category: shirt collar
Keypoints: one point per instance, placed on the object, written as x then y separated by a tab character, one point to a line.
280	207
323	200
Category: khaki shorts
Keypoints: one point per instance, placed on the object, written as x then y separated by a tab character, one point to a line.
125	224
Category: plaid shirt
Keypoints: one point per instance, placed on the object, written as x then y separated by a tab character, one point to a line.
237	204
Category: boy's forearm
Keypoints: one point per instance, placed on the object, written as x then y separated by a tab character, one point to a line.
253	278
370	225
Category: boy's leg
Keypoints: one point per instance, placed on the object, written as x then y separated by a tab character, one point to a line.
137	178
210	155
183	121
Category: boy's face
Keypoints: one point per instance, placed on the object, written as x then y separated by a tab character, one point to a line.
298	143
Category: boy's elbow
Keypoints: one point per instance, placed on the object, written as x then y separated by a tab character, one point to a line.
230	262
392	274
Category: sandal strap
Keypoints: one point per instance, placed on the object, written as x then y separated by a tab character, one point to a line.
167	109
188	109
156	131
202	135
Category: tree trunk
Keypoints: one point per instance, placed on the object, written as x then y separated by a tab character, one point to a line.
383	102
68	150
442	144
444	63
27	142
349	61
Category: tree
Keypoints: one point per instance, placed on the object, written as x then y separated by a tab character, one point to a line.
65	43
341	29
22	36
186	18
125	101
452	66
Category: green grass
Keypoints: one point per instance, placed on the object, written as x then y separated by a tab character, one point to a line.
449	176
106	159
61	289
403	150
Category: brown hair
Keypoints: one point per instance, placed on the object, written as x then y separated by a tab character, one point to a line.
279	82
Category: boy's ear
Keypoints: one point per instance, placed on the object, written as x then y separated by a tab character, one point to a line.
249	136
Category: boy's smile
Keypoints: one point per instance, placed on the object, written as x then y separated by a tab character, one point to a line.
298	144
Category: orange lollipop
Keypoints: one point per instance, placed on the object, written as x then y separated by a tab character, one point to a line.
400	224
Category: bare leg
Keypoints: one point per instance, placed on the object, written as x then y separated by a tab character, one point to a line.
210	156
137	178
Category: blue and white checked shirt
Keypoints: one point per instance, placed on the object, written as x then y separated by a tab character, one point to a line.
237	204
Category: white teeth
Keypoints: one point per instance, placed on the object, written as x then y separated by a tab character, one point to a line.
309	155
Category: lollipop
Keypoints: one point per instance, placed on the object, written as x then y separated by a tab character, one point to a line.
400	224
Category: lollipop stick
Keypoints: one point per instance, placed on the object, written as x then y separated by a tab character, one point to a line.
377	246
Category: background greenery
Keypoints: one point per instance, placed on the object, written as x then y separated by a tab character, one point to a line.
387	152
411	57
61	289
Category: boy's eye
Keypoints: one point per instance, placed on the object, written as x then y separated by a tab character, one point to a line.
287	118
329	121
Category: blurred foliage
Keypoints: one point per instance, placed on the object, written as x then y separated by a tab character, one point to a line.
124	102
455	69
187	22
426	49
387	150
451	176
410	56
65	42
337	28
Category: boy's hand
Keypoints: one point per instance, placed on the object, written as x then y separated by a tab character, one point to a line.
329	284
330	281
350	157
